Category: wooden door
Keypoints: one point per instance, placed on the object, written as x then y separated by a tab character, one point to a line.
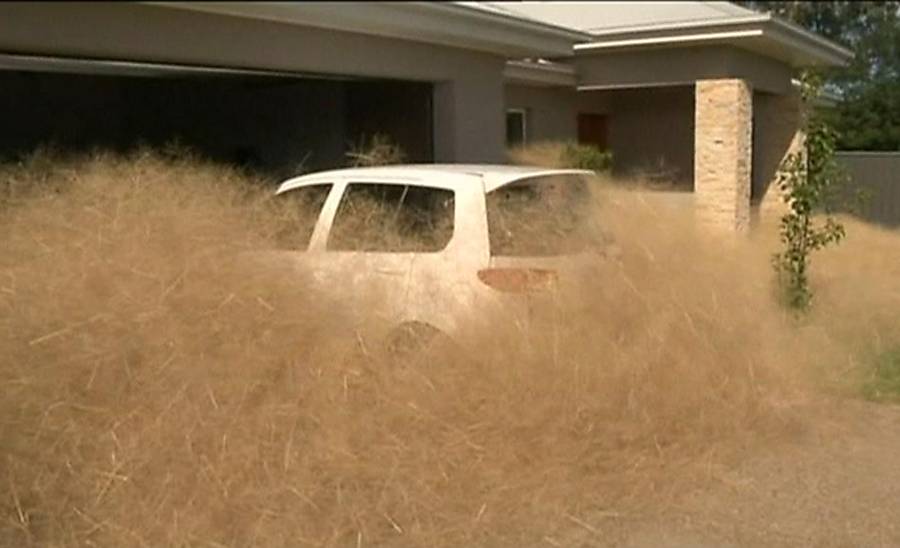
592	130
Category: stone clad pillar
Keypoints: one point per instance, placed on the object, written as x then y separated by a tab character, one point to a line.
723	125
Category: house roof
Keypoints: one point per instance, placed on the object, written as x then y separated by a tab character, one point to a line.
615	26
598	17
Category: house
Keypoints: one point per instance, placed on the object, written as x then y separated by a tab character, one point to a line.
701	90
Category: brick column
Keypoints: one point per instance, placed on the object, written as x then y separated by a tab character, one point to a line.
723	124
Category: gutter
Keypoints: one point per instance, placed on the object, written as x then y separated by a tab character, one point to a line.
762	26
679	25
790	31
540	73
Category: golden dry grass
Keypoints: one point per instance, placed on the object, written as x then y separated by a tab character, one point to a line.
555	154
159	390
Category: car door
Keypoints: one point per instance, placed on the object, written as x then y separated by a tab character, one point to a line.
356	256
443	272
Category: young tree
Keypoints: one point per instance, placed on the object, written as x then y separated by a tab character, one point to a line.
809	181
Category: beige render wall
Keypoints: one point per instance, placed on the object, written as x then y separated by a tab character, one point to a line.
723	159
468	97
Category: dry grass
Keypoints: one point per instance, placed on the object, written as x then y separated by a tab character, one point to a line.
159	390
560	154
544	153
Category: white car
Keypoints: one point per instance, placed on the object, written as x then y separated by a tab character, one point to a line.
425	249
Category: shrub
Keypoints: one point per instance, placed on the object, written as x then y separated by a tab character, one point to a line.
579	156
562	154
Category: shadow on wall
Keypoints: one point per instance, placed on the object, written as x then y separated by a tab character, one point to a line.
651	135
775	122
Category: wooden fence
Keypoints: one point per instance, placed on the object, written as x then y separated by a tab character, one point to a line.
878	175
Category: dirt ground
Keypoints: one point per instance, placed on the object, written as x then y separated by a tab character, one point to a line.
834	485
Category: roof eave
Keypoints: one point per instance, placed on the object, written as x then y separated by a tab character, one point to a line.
539	74
795	46
821	51
447	24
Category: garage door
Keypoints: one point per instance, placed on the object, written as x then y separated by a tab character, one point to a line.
278	122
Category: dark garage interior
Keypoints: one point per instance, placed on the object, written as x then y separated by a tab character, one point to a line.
274	124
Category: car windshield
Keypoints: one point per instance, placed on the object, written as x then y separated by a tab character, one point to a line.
538	216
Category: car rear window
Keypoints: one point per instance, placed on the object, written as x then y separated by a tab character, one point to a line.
393	218
538	216
298	212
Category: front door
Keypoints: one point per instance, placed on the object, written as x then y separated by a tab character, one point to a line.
592	130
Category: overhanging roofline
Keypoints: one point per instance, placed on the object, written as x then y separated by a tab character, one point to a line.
114	67
831	54
539	73
452	24
761	32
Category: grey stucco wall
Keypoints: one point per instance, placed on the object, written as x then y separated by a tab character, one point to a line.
651	130
647	128
468	99
553	111
685	65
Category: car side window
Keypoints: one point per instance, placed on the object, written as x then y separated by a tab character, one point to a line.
538	216
393	218
296	215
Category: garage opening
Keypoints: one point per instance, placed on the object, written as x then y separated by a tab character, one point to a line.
279	124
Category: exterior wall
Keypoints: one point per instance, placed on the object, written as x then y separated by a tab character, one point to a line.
651	134
680	66
776	123
468	99
552	111
650	130
722	141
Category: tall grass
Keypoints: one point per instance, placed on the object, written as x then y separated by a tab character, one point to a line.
162	389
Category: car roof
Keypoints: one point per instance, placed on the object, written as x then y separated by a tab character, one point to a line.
493	176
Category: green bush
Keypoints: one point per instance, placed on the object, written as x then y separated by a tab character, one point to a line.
579	156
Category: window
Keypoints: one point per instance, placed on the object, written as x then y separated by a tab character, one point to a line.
392	218
538	216
296	214
516	127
